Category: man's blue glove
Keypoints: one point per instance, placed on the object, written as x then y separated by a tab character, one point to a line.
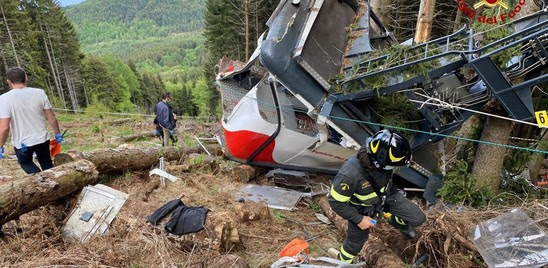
156	133
2	152
59	138
172	132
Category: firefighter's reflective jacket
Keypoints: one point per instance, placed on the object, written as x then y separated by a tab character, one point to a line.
351	192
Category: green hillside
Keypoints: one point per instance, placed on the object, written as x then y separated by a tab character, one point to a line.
158	36
103	21
160	40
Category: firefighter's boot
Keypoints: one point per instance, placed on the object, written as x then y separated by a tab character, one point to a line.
408	231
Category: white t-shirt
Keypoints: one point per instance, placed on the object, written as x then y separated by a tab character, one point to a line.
25	107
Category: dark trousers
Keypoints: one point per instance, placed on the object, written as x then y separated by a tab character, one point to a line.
42	153
402	208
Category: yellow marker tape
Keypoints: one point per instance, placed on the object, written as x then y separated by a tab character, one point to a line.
542	118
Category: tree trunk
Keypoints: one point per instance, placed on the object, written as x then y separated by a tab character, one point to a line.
458	21
71	90
10	37
120	160
51	65
382	10
22	195
246	11
62	96
425	20
490	159
133	137
536	163
375	253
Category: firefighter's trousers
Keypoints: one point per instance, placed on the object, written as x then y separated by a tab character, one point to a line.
405	214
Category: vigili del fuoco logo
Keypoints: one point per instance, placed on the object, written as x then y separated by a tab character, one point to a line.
508	13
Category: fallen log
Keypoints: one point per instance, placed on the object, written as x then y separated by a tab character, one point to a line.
120	160
375	252
21	195
203	162
148	134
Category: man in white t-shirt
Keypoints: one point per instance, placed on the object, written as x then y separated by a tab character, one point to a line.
25	112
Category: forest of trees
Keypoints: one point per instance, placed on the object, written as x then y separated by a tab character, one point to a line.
160	42
36	35
99	21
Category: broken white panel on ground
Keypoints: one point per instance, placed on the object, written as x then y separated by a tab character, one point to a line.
511	240
163	174
275	197
103	202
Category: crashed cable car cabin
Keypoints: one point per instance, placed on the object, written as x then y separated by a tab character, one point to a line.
279	110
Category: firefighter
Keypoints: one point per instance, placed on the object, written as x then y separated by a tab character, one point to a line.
362	190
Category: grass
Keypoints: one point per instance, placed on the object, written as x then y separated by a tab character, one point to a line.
315	208
126	131
278	216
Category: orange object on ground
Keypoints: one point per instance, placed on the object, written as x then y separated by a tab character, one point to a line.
294	247
54	148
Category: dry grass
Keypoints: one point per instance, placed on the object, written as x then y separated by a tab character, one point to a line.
445	234
36	239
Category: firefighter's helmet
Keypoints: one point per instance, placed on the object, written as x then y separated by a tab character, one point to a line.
387	149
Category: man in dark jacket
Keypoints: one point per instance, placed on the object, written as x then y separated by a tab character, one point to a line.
362	189
166	118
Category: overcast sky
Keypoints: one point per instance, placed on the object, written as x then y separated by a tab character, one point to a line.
69	2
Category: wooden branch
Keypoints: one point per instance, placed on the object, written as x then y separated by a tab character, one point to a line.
148	134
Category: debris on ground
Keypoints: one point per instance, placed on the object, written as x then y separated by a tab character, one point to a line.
511	240
95	210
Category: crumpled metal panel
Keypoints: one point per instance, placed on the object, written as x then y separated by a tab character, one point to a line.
103	202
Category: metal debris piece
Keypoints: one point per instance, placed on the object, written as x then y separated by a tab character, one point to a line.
511	240
199	140
163	174
318	189
283	172
322	218
275	197
101	204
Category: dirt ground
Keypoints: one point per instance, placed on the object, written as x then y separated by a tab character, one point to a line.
35	240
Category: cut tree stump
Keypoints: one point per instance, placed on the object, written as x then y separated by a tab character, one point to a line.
251	211
375	252
120	160
219	235
24	194
245	173
148	134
